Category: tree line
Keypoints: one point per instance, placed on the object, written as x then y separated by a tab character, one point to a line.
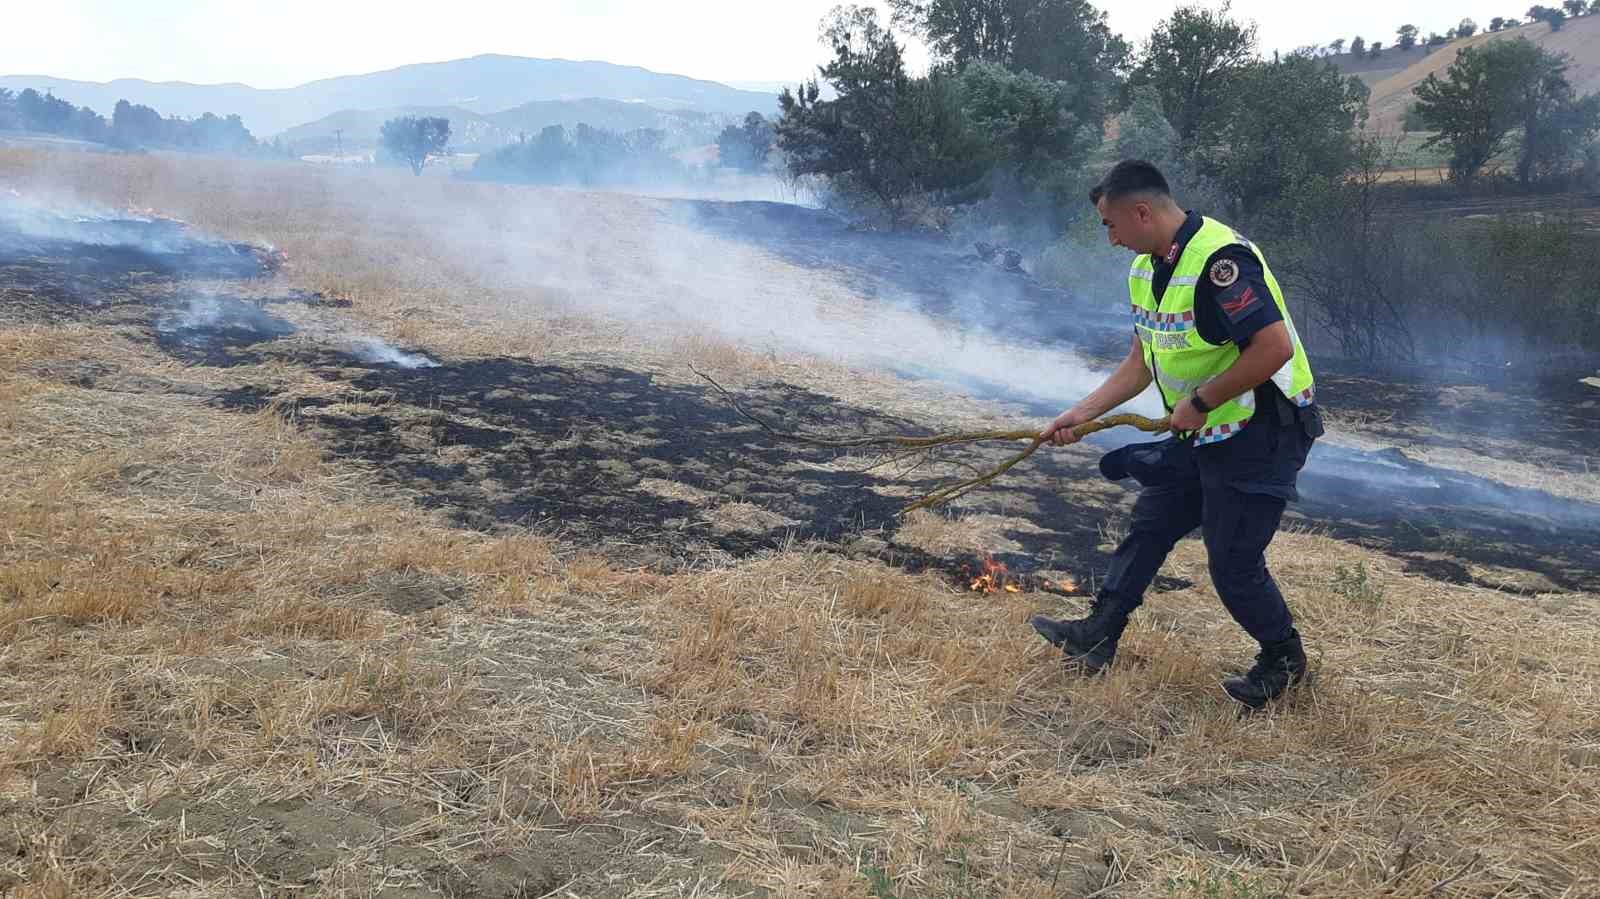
131	126
1027	100
1409	36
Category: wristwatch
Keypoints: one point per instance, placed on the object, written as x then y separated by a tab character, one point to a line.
1199	403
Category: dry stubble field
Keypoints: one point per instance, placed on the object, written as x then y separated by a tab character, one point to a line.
239	659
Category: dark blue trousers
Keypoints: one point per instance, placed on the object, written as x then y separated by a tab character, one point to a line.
1235	491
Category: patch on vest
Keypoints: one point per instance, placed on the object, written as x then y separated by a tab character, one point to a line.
1177	341
1224	272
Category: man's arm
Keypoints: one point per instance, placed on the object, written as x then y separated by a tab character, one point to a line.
1267	352
1128	381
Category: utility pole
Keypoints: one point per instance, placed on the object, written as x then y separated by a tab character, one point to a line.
338	135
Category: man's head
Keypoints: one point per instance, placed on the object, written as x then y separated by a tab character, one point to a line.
1137	208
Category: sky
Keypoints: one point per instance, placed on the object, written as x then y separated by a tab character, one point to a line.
290	42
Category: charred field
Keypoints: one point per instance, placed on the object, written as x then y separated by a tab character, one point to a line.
346	555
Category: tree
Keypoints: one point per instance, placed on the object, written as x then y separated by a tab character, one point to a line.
1143	132
1377	49
44	112
1435	39
886	137
1192	60
1488	91
134	125
1337	46
1034	132
1467	28
1408	36
1555	122
414	138
1058	40
1554	17
1497	23
1257	165
746	146
1358	47
1575	7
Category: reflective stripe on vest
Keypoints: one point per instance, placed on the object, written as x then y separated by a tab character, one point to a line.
1180	359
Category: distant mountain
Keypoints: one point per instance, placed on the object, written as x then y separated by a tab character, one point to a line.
483	84
475	132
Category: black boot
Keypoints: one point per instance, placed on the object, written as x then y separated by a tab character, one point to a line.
1090	642
1278	667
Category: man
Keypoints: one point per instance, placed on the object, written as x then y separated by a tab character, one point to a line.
1211	329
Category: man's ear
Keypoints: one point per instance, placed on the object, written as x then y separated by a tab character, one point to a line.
1144	211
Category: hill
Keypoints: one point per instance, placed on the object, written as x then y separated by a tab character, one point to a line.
475	132
482	84
1373	69
1394	74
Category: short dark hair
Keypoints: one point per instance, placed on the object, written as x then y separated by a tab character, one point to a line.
1130	176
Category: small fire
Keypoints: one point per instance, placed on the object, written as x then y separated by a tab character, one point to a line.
992	576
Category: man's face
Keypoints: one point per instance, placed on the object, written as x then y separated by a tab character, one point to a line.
1129	222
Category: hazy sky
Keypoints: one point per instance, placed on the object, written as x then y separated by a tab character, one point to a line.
288	42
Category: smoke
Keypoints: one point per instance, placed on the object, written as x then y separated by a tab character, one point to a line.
789	280
375	351
206	317
779	279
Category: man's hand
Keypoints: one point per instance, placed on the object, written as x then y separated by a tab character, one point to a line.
1185	417
1060	431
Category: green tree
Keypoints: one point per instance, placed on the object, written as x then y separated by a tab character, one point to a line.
1337	46
1467	28
1358	47
1376	50
1575	7
1193	61
134	125
1553	16
1032	124
1555	122
1408	36
1486	93
1062	40
1143	132
747	145
1497	23
887	136
1057	40
1435	39
413	139
1256	163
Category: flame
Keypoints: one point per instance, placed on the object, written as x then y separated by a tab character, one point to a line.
992	578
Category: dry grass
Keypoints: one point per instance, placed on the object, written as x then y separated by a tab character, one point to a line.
232	664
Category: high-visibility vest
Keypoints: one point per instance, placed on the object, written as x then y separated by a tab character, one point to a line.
1180	359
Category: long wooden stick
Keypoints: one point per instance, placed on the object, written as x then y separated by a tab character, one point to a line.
920	444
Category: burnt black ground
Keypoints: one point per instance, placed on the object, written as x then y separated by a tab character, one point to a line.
565	449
